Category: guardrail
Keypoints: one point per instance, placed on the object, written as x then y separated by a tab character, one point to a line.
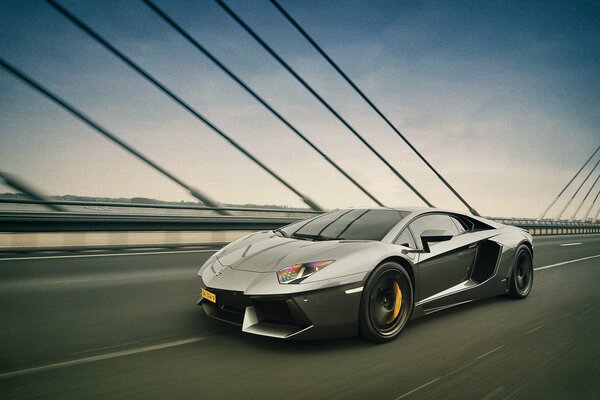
122	216
552	227
80	222
157	206
25	225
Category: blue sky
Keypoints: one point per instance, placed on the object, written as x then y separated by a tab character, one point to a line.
502	97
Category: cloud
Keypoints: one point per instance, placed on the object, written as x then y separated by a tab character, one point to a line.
499	99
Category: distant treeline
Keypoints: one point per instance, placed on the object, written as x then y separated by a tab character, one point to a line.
136	200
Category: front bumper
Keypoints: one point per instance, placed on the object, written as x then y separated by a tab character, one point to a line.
317	314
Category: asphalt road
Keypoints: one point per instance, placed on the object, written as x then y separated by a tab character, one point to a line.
126	326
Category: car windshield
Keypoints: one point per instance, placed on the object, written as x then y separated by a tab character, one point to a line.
346	224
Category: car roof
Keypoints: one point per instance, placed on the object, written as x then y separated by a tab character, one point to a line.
416	210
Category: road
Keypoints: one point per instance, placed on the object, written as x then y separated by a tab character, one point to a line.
126	326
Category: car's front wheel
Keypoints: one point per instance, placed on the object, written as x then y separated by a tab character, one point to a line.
386	304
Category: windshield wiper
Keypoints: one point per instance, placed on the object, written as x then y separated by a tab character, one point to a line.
312	237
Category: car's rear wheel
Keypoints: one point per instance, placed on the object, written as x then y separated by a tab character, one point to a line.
386	304
522	274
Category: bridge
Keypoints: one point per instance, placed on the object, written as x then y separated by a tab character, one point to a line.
98	295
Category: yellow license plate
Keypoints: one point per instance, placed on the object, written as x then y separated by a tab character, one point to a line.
209	296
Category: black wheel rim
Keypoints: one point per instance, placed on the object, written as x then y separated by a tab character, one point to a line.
389	302
524	272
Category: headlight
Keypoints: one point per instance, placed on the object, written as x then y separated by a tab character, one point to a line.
298	272
208	263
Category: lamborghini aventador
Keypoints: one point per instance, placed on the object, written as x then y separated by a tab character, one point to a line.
363	272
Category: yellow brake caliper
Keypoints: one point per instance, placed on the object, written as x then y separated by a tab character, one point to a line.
397	303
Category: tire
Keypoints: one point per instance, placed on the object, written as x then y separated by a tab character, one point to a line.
521	280
386	304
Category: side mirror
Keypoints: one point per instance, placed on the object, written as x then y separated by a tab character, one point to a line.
434	236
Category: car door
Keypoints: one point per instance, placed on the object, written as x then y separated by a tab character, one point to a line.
448	263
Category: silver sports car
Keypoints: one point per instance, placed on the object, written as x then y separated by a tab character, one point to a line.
363	271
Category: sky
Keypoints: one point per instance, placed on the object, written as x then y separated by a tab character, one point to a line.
502	98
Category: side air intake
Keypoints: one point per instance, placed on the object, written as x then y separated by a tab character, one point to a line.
486	261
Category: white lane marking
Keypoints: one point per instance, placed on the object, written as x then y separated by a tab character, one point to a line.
103	348
493	393
86	360
588	310
535	329
72	281
107	255
419	388
451	372
566	315
355	290
570	244
489	352
565	262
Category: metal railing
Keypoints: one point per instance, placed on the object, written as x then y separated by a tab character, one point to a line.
125	216
159	206
552	227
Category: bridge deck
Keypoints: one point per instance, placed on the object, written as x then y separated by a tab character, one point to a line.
126	326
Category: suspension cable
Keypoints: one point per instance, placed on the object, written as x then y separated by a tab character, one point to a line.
587	214
80	24
274	54
369	102
252	93
585	198
111	136
568	183
578	189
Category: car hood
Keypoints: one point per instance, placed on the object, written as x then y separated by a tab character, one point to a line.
266	251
